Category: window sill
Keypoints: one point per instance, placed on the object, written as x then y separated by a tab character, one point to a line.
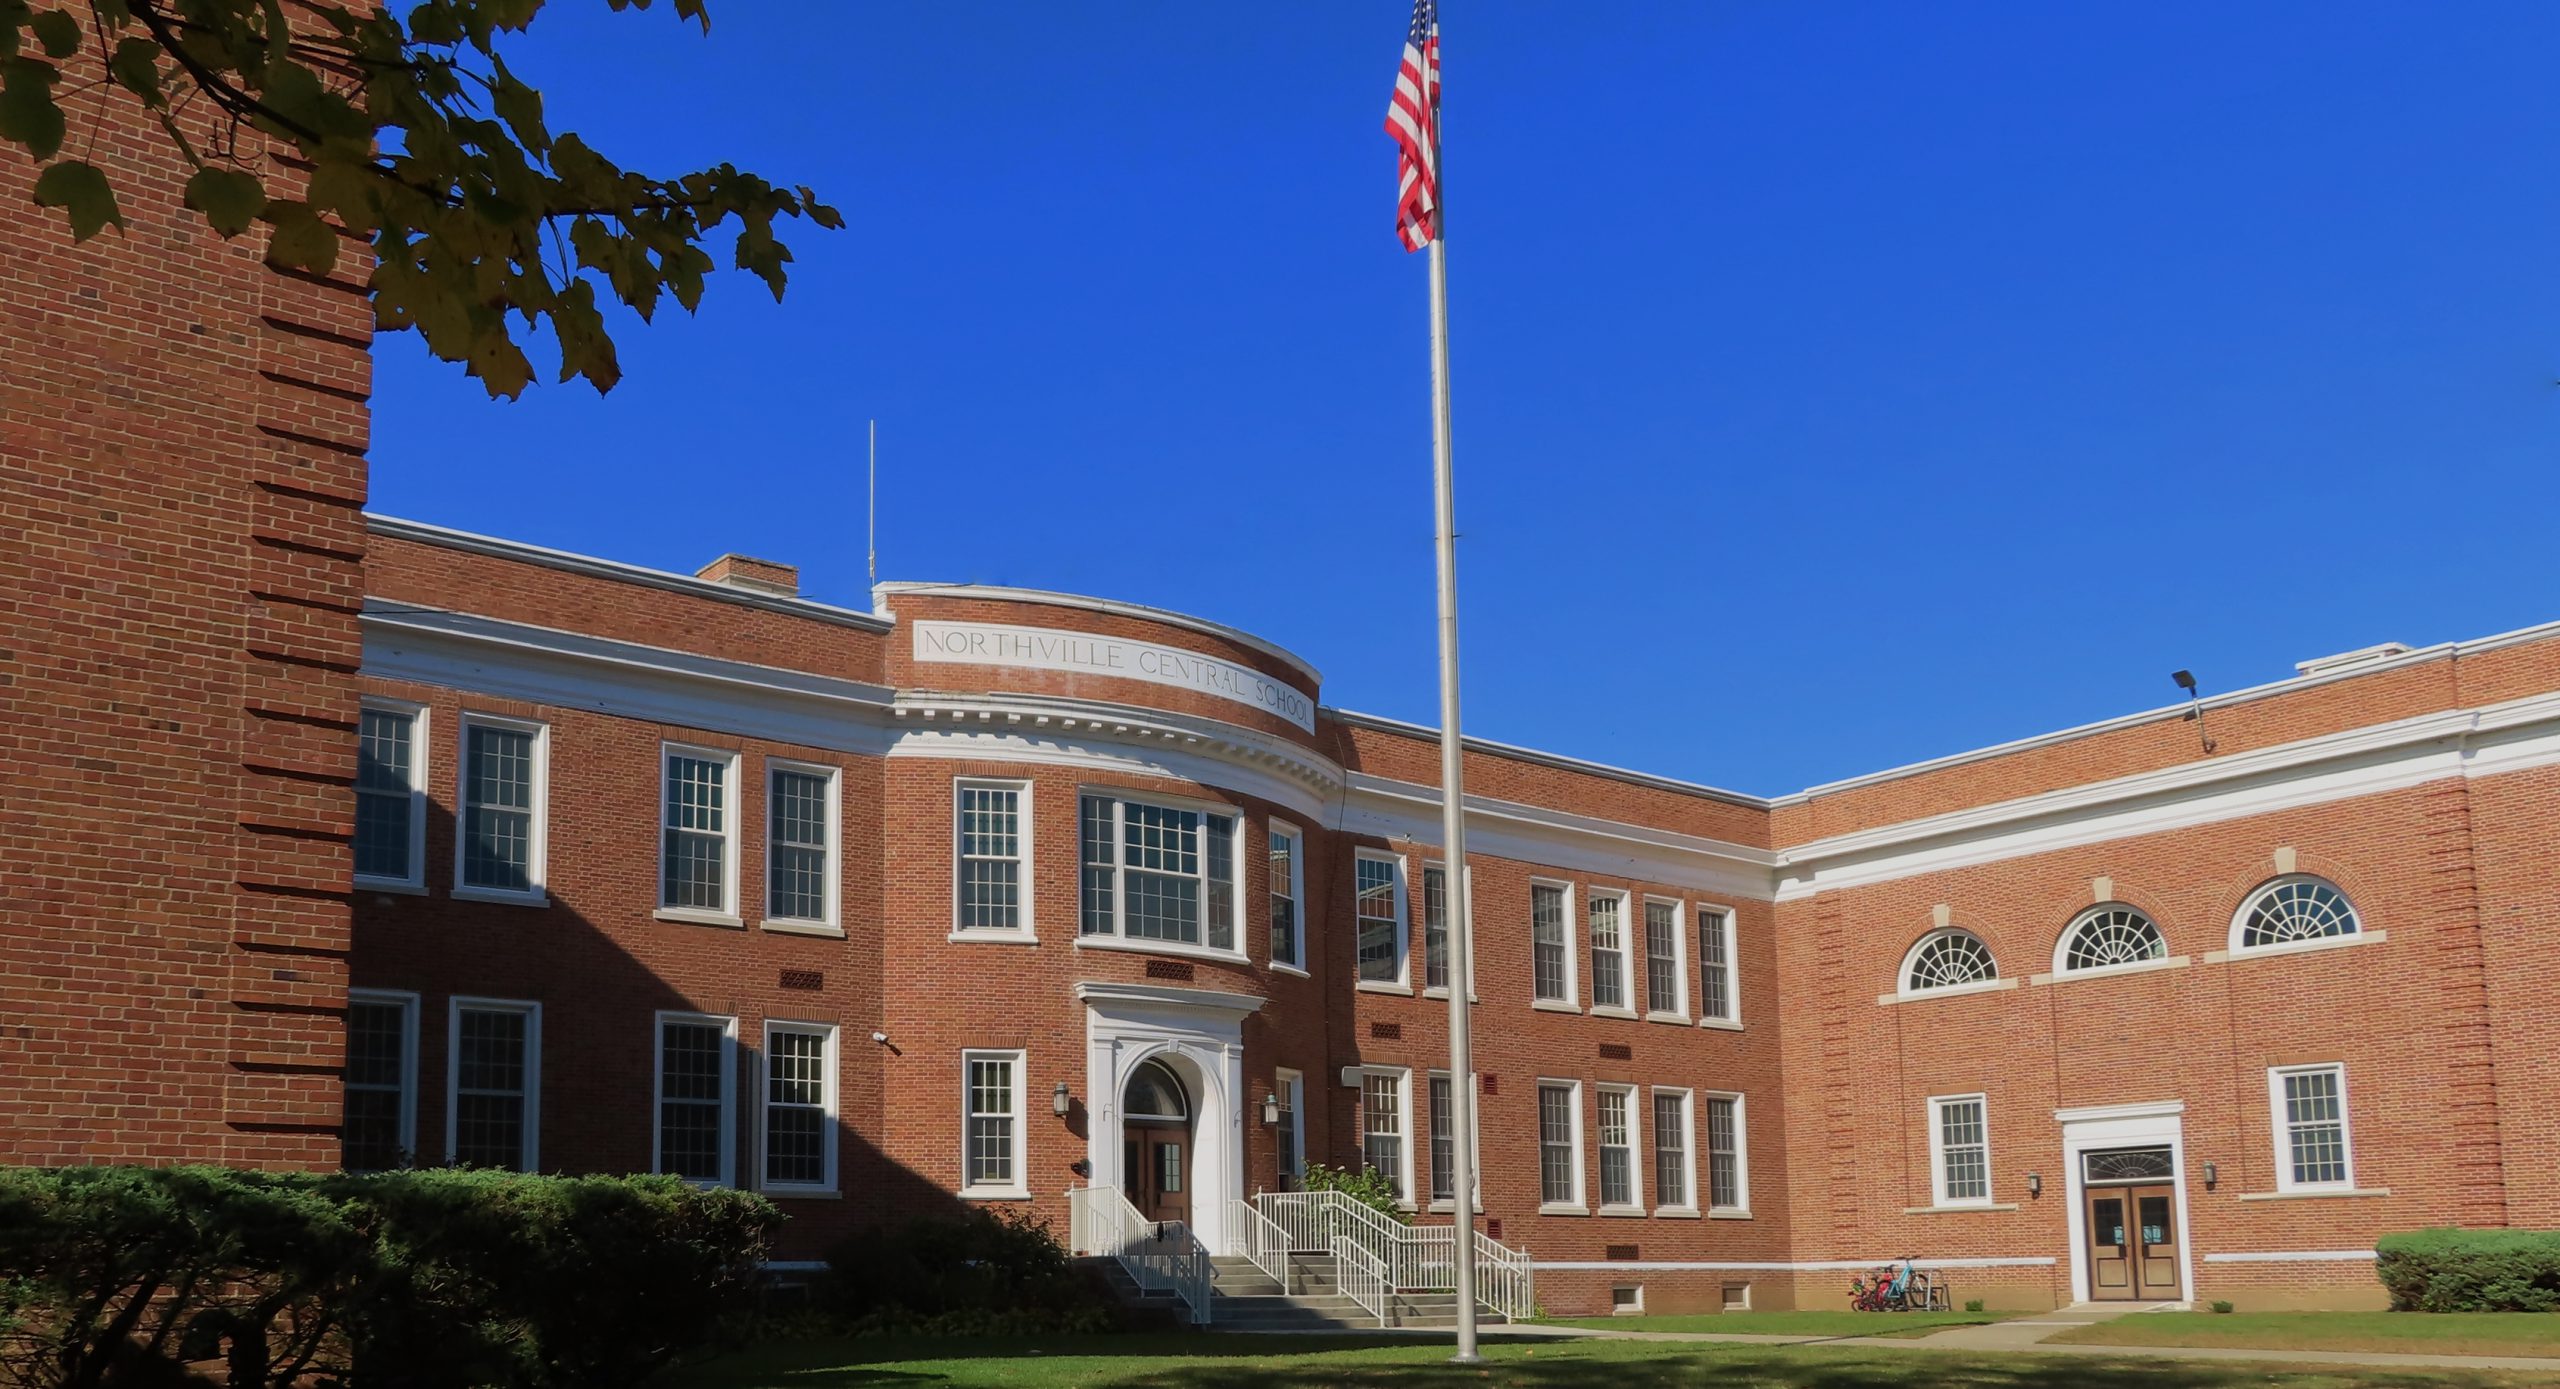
1451	1208
393	885
802	1193
692	916
1635	1211
1628	1014
2113	971
2313	1193
2300	947
1554	1005
786	927
994	1193
502	896
1960	1207
1160	947
1675	1019
1950	991
1730	1213
983	937
1721	1024
1279	968
1382	986
1675	1213
1558	1208
1443	995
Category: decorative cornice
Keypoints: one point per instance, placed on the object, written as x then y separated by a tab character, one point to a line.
881	593
1513	753
1215	1001
1559	839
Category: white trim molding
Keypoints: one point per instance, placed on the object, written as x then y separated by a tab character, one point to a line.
2295	1256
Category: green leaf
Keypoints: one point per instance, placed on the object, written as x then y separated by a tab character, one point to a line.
229	199
83	195
301	238
345	187
58	32
27	113
136	68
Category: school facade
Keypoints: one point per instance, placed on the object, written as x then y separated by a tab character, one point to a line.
341	838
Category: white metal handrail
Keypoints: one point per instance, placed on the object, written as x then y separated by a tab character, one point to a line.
1363	1277
1263	1240
1160	1255
1405	1258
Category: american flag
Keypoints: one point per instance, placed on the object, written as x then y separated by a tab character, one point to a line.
1413	117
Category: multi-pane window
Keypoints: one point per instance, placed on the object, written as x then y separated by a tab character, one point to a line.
1725	1184
2290	911
1382	1127
1617	1147
1379	913
799	1105
1671	1149
800	845
2110	936
693	1097
1608	950
1960	1142
1444	1141
379	1127
1716	995
1950	958
1158	872
1559	1144
501	807
993	838
992	1142
2310	1104
1435	928
1664	986
1287	890
1288	1087
1551	957
490	1111
695	853
389	796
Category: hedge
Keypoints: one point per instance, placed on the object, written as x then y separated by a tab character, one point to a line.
115	1275
981	1272
2471	1270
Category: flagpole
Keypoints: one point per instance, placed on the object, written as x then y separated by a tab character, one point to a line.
1453	818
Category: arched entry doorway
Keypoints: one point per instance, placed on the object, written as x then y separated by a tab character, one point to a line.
1155	1143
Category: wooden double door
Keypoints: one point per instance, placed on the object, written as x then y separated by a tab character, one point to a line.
1155	1169
2133	1242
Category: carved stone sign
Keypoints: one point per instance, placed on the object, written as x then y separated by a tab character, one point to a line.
1043	648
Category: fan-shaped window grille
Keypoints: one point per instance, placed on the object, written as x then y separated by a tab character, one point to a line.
1945	959
2114	934
2296	909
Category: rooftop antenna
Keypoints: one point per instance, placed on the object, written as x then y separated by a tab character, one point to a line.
872	535
2186	680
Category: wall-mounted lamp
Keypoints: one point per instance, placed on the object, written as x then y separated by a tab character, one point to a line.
2212	1174
1271	1111
2035	1184
2186	680
1059	1103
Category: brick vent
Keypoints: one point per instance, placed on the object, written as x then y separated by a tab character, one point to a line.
804	979
1179	970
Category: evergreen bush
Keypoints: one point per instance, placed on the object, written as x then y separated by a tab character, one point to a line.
2445	1270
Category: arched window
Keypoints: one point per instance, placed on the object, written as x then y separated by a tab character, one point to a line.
1947	959
2107	935
2291	910
1153	1093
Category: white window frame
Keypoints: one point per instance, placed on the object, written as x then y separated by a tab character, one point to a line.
831	1110
1572	1000
1020	1187
1688	1148
537	832
1911	958
2283	1130
1475	1168
728	1092
1938	1196
1704	1134
1637	1151
2240	920
1581	1203
1679	1012
532	1011
1626	1007
833	924
1296	892
420	744
1406	1127
1724	917
1291	1087
1429	865
1118	938
1403	982
726	914
407	1002
1022	932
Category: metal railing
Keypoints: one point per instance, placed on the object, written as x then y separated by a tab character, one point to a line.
1261	1239
1160	1255
1396	1256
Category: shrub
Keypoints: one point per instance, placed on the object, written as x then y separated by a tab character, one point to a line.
121	1275
2471	1270
2221	1306
1366	1185
994	1270
1973	1305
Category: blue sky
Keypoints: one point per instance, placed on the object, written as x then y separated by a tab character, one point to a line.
1836	385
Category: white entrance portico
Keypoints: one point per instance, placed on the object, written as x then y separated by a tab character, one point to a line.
1198	1035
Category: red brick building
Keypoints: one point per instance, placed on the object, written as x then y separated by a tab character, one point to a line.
346	839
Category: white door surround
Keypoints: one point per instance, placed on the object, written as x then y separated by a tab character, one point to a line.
1199	1035
2152	1125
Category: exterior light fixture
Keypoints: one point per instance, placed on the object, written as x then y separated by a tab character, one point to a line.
1271	1111
1058	1101
2212	1174
2035	1184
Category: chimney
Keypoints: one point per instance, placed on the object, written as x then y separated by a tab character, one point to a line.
753	575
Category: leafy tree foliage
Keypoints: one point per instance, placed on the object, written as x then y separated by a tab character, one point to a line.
412	133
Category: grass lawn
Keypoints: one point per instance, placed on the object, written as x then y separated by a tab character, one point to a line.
1804	1323
1212	1361
2412	1333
